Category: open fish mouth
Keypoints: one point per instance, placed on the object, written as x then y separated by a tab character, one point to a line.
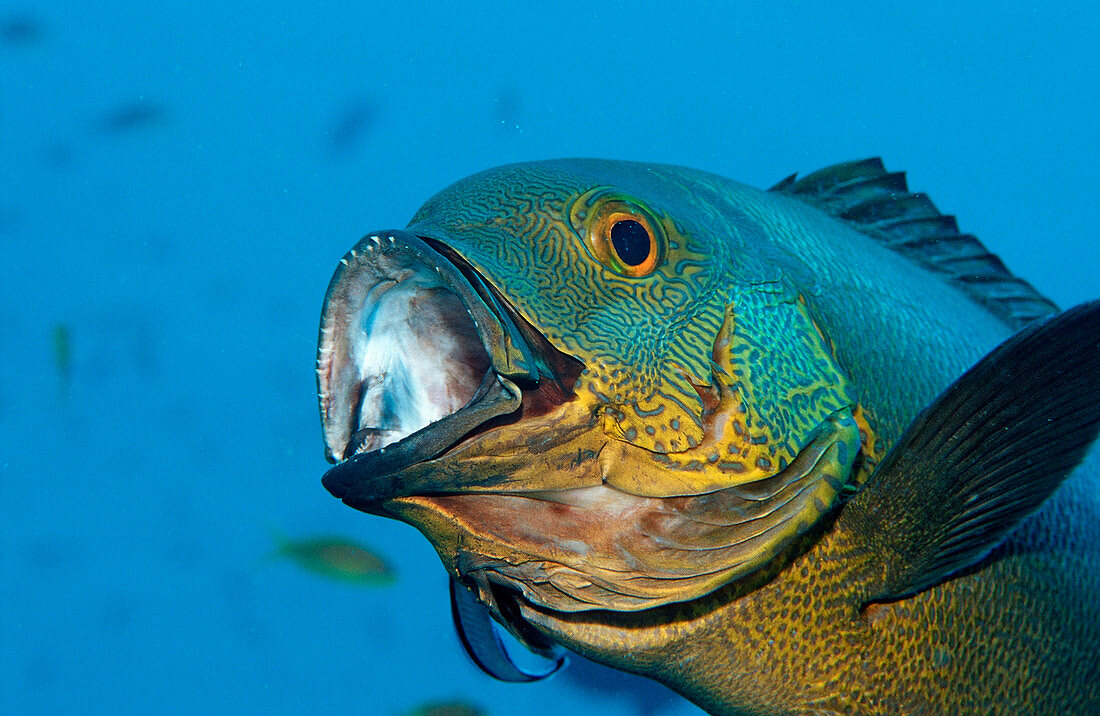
416	353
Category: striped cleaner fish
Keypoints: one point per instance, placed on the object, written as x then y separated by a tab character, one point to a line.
727	439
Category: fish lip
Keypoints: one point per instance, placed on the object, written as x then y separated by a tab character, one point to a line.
513	362
372	477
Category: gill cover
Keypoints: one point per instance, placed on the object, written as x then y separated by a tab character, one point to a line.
732	395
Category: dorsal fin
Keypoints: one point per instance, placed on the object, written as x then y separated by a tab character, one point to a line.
878	203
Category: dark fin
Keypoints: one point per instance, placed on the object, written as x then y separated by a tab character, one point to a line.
982	456
482	643
879	204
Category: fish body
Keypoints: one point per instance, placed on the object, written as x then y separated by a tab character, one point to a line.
336	558
674	423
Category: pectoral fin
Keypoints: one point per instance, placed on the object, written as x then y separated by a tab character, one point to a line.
982	456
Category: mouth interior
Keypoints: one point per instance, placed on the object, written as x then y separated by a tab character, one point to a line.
417	356
403	353
400	350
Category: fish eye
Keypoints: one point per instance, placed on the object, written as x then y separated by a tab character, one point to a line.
620	233
631	242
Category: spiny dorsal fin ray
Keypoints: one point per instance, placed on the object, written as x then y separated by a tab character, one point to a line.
879	204
982	456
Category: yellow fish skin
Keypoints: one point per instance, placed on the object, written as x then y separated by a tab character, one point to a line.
703	432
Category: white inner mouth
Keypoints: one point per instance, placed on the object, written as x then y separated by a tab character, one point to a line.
405	354
419	358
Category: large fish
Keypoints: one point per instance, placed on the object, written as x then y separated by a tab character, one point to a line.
704	433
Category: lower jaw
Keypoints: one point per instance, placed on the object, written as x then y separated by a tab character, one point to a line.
553	531
376	476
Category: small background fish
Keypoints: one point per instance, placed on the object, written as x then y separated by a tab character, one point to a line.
336	558
62	344
447	708
20	30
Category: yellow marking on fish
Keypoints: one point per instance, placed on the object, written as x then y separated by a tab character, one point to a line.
872	447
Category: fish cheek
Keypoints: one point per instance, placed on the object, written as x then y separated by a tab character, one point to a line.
645	340
773	384
664	414
775	357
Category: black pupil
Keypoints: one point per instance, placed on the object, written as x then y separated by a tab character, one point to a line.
631	242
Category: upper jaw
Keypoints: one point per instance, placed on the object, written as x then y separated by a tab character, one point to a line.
415	351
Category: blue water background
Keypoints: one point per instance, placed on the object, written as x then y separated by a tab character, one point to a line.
178	181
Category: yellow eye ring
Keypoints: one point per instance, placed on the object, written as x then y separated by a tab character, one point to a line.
619	233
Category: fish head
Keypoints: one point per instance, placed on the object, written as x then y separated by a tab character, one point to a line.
590	384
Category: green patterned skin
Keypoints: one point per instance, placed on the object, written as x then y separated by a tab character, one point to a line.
783	317
647	343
